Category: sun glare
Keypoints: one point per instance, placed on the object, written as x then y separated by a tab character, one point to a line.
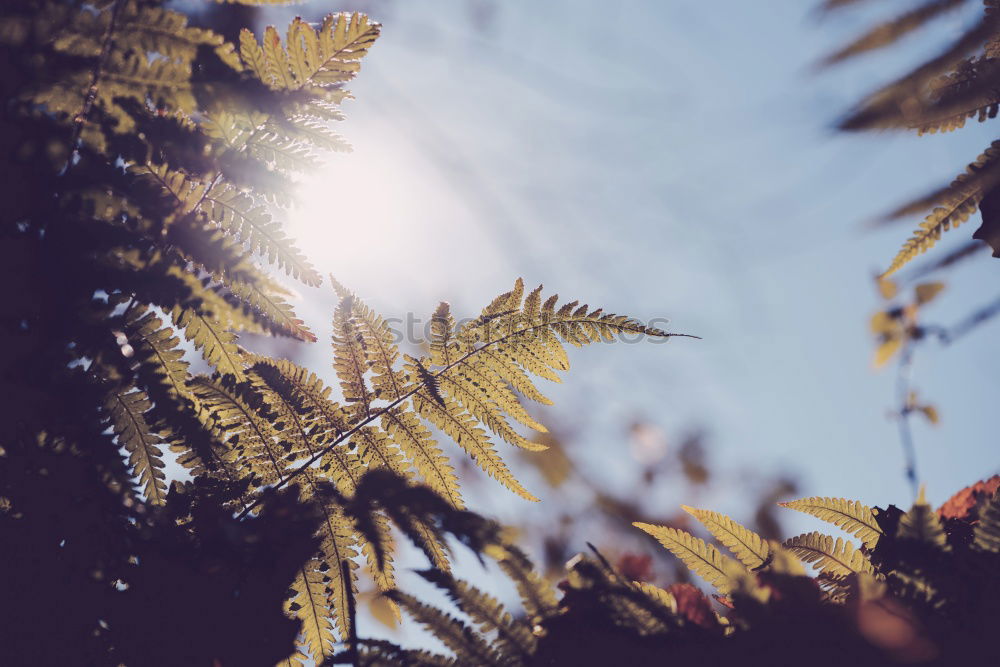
385	205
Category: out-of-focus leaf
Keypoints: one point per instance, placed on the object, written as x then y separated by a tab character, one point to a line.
927	291
887	350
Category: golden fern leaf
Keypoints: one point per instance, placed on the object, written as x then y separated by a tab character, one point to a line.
850	516
376	339
462	428
273	312
955	205
259	451
126	409
922	523
657	594
350	360
156	347
376	450
206	333
306	129
161	31
312	57
250	434
309	605
301	387
746	545
463	384
987	531
701	558
238	214
419	446
836	557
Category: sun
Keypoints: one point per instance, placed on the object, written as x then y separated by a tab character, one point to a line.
386	217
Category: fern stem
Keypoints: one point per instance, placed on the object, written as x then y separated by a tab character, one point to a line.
88	103
352	616
371	417
903	417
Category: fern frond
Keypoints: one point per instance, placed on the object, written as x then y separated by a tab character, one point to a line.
987	530
237	213
307	392
537	597
850	516
309	605
893	30
419	446
462	428
275	314
157	348
896	103
325	56
206	333
469	646
514	638
968	92
376	340
126	410
305	129
281	152
836	557
922	524
154	29
350	360
956	204
247	430
746	545
701	558
657	595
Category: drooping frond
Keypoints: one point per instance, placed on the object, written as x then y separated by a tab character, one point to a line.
513	637
537	597
126	410
848	515
701	558
746	545
922	524
468	645
836	557
987	531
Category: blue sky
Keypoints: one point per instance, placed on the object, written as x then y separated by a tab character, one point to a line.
663	159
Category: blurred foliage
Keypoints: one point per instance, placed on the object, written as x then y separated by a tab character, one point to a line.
920	588
939	95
